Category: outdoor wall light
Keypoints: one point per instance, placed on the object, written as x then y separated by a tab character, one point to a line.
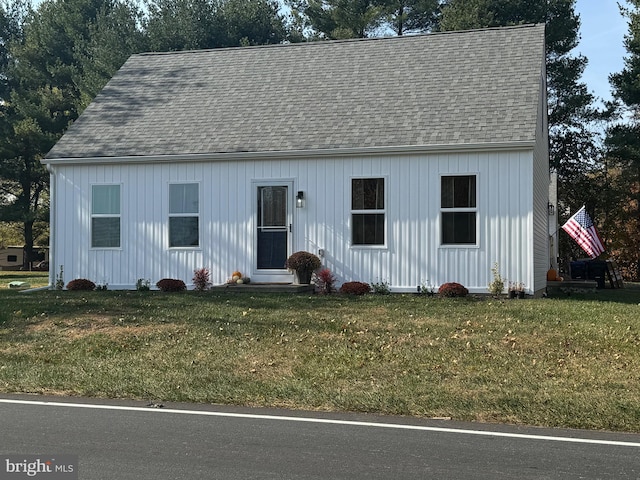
300	199
552	209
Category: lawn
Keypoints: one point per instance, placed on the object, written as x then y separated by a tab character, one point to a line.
564	362
34	279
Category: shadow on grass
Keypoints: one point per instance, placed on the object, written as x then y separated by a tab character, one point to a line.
630	294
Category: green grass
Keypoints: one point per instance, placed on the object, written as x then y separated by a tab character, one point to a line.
34	279
570	362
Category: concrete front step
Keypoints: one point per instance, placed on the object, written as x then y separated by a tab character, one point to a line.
569	286
264	288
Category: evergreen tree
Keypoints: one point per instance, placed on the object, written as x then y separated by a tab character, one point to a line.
199	24
623	142
251	22
340	19
173	25
59	57
412	16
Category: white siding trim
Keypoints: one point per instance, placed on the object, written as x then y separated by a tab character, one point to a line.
297	154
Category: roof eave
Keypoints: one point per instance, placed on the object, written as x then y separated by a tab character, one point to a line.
297	154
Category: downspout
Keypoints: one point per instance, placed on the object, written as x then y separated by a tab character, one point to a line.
52	226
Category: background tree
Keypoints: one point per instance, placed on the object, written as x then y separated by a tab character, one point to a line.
339	19
182	25
198	24
623	142
59	57
4	50
10	235
411	16
251	22
108	43
14	201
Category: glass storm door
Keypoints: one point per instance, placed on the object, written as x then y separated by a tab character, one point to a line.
274	226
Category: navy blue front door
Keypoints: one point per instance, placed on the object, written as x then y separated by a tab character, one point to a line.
273	227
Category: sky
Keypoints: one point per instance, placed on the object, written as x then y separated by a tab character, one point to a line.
602	32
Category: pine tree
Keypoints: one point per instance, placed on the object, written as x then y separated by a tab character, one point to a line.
623	142
57	58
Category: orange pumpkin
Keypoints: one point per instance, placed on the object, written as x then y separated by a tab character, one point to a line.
552	275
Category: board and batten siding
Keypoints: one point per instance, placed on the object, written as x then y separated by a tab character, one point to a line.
411	257
541	180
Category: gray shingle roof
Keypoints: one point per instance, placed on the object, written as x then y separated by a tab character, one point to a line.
446	88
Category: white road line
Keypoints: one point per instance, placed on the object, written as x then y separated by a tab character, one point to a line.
325	421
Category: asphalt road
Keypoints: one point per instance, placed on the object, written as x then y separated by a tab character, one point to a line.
126	440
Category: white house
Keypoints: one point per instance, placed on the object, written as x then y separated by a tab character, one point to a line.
414	159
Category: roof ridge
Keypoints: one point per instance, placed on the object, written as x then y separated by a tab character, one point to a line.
345	41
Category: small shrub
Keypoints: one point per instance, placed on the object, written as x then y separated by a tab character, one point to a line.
496	286
355	288
102	287
325	281
143	285
60	279
171	285
452	289
81	284
201	279
381	288
426	289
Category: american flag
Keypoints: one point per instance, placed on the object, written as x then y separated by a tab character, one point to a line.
580	227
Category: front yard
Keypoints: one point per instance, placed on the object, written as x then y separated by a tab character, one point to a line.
570	362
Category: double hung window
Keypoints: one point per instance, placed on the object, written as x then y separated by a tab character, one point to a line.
367	211
184	215
105	216
458	209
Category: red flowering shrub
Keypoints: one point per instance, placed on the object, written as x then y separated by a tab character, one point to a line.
452	289
355	288
171	285
81	284
201	279
325	281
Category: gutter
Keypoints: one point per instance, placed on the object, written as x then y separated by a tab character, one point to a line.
52	225
296	154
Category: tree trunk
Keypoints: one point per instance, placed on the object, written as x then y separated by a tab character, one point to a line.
28	245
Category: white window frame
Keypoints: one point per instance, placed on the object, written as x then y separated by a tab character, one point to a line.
376	211
473	210
183	215
106	215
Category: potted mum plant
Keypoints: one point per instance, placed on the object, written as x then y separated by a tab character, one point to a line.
302	264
